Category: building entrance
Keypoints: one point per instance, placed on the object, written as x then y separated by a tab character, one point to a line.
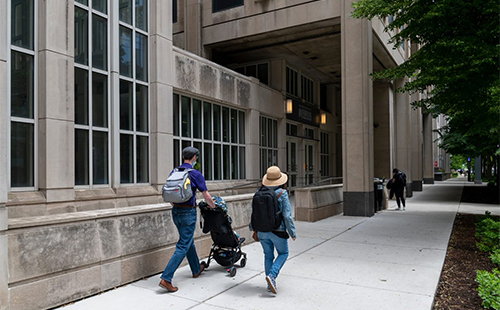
291	161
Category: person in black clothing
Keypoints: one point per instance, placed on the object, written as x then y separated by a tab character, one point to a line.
398	187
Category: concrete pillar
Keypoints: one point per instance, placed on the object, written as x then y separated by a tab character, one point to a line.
357	113
4	138
383	100
161	90
253	145
56	151
428	161
416	148
192	22
403	136
477	171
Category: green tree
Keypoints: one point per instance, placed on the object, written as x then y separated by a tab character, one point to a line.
458	61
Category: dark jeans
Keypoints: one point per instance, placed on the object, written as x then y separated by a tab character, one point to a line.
400	195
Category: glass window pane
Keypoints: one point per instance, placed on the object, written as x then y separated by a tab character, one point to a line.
81	157
234	162
85	2
217	118
100	157
100	5
207	120
176	114
217	162
251	71
81	36
99	42
262	73
22	163
197	119
141	57
81	97
126	107
22	23
185	144
125	11
219	5
241	130
234	126
21	89
226	160
275	134
99	100
186	117
125	51
198	166
142	116
177	152
263	162
207	161
270	133
141	14
242	163
126	159
142	159
225	124
263	132
174	11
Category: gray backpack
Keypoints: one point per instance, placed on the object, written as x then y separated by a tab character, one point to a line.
178	189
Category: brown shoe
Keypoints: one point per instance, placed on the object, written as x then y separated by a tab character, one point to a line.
168	286
202	268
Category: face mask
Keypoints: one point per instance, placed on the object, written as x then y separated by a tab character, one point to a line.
194	163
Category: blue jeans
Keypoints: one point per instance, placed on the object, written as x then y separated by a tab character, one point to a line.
269	242
185	221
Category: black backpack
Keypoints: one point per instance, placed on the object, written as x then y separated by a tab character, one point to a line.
402	178
266	214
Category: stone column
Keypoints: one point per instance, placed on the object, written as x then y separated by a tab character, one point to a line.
4	168
428	161
403	136
56	159
383	144
161	90
192	23
357	113
252	144
416	147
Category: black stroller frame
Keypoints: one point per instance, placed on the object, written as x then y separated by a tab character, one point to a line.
226	247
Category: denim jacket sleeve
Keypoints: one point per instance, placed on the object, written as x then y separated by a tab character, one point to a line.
286	209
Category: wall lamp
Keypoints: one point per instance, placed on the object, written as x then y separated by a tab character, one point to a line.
288	106
323	118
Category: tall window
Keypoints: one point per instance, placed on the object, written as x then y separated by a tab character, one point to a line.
22	94
220	5
217	131
292	82
260	71
268	143
325	154
133	91
307	89
91	93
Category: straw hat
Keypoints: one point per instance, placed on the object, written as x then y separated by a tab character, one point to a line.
274	177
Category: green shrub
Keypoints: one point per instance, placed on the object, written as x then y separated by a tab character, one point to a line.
488	233
495	256
489	288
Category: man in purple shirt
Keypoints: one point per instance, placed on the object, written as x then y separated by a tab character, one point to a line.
184	217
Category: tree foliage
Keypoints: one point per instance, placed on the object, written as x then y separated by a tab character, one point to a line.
458	64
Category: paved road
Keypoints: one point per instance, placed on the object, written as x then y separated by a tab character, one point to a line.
392	260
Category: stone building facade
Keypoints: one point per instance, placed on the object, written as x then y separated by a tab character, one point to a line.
98	98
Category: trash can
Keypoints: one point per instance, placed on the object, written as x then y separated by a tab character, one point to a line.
378	190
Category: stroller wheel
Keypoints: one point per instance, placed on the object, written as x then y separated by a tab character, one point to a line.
243	262
232	273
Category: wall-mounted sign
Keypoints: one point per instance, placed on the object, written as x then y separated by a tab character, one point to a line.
304	113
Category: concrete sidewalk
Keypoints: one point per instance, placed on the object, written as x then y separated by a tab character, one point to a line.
392	260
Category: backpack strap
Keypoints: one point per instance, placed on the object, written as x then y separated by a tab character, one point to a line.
281	192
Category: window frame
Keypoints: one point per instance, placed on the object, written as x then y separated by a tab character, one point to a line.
238	172
90	128
32	121
268	150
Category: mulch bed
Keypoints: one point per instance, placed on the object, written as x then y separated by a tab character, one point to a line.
457	288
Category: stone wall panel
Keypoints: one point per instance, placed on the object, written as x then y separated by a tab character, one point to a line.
47	250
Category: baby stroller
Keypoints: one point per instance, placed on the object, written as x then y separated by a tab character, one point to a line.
226	249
